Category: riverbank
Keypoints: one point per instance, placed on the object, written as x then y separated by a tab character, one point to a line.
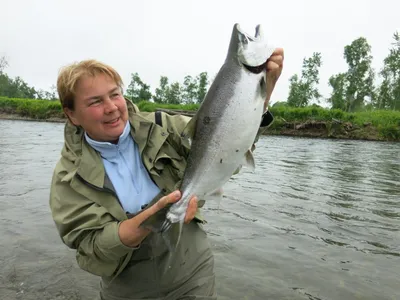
310	129
312	122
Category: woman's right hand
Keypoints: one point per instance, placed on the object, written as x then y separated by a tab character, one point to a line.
132	234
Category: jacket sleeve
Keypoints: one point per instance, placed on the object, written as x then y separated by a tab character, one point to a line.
175	124
87	227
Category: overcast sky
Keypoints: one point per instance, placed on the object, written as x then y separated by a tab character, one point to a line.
178	38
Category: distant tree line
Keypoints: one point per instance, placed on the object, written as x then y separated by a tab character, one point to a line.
191	91
353	90
18	88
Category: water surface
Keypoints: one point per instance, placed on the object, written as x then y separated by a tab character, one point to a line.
319	219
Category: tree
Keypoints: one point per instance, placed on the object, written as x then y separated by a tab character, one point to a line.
389	91
296	96
359	76
304	90
385	96
3	64
173	94
190	90
338	96
161	91
138	90
202	83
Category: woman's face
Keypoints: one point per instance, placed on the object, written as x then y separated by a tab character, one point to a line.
99	108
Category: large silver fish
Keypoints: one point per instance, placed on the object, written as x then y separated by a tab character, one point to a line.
224	128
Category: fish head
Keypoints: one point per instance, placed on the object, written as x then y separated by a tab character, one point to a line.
250	51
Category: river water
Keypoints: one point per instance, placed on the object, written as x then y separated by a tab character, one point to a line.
319	219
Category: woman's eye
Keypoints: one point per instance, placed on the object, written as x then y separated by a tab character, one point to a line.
95	102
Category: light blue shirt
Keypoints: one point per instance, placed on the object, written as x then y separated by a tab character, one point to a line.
126	171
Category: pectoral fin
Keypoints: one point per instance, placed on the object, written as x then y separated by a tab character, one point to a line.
249	161
215	196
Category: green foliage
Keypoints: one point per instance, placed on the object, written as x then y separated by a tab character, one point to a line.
151	106
173	94
32	108
360	75
339	85
192	90
386	121
137	89
303	90
18	88
203	82
161	91
389	91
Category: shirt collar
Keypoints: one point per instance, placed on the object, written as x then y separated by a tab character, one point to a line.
109	150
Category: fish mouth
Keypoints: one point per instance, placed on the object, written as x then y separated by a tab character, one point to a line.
244	35
256	69
252	52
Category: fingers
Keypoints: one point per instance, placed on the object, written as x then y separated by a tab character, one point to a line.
273	65
279	52
276	60
160	204
191	210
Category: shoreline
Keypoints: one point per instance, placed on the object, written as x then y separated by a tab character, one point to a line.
308	129
15	117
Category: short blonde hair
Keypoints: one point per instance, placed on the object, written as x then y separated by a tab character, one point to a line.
70	75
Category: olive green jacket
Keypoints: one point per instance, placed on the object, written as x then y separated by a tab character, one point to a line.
84	205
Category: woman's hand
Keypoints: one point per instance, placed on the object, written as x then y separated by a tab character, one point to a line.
132	234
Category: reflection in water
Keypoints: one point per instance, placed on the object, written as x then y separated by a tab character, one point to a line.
319	219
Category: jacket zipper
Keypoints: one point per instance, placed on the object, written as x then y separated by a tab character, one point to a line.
107	190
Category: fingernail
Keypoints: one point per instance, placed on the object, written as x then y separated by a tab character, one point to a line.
177	194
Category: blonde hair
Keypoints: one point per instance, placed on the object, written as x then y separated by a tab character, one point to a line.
70	75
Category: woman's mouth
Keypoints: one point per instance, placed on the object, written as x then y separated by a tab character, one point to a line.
113	121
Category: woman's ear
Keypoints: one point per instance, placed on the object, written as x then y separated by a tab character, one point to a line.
71	116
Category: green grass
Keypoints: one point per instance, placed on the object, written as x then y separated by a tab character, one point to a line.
387	122
151	106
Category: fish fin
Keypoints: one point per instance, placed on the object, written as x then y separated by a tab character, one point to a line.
171	239
171	234
259	32
237	170
215	195
249	160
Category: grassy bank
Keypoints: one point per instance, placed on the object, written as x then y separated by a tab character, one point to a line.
309	121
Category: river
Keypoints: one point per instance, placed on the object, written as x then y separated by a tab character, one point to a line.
318	219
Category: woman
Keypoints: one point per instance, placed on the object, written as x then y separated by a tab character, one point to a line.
119	166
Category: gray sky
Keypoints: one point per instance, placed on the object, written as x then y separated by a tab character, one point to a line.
178	38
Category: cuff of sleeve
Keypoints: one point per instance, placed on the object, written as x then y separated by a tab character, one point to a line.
111	244
267	119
